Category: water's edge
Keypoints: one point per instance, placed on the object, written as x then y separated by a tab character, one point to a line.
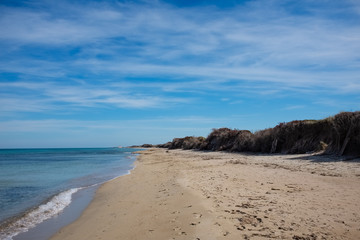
44	230
78	199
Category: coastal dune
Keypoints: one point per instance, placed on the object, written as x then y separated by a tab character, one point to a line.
186	194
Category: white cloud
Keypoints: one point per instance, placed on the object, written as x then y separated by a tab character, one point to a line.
196	49
56	125
19	104
294	107
49	96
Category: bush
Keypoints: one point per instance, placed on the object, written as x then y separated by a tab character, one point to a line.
339	135
187	143
345	134
225	139
165	145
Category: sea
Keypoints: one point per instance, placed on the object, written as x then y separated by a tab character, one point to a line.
38	184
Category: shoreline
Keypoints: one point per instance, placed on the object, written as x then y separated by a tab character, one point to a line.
43	229
177	194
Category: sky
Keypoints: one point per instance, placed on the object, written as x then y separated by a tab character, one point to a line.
109	73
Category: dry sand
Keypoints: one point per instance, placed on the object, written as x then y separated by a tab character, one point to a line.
177	194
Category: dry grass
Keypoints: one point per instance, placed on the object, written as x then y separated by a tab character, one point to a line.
339	134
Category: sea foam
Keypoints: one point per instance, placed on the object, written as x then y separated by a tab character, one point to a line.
43	212
34	175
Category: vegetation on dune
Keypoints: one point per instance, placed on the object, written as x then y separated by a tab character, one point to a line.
187	143
339	135
225	139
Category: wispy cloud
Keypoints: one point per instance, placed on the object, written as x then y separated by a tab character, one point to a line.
85	133
143	39
118	57
56	125
294	107
48	96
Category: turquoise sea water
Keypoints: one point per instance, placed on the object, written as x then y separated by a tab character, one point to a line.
36	184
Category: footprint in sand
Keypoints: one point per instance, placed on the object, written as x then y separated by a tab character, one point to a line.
197	215
177	229
226	233
194	223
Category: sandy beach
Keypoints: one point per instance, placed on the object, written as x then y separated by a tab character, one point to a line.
178	194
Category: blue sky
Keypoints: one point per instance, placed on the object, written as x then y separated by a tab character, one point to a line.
108	73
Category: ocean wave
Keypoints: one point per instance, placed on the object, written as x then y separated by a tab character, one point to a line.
43	212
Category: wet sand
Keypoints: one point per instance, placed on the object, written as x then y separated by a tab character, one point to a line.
44	230
177	194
